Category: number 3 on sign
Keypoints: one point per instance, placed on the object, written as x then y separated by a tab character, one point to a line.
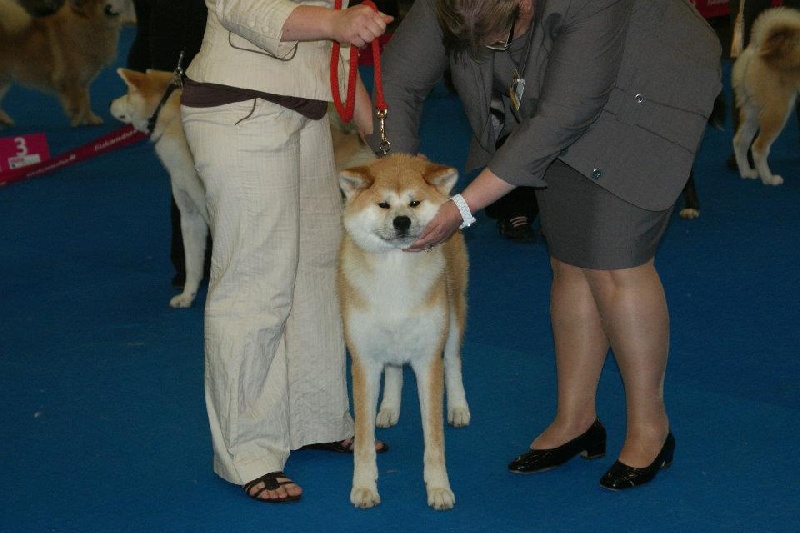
22	147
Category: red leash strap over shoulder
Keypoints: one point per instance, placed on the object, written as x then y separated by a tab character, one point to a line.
346	108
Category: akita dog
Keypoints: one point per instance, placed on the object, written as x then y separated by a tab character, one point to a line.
766	80
401	308
61	53
139	107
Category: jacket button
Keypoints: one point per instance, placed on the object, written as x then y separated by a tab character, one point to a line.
597	174
639	98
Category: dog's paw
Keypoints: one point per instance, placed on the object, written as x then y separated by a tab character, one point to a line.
364	498
182	301
689	213
387	417
441	498
748	173
458	416
772	179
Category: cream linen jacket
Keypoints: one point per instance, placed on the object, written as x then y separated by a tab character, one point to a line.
242	48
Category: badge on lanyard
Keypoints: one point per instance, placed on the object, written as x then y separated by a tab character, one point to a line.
515	93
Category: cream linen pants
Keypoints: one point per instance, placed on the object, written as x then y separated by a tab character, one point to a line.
274	353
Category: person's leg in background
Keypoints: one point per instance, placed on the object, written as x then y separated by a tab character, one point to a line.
165	28
515	213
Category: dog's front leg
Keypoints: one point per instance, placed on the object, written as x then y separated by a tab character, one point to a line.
366	383
457	409
430	385
389	412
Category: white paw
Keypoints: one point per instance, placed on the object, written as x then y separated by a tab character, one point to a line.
182	301
441	498
364	498
772	179
387	417
748	173
458	416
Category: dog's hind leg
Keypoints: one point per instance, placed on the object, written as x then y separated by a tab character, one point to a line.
431	395
76	104
366	384
194	232
457	409
5	120
772	121
748	127
389	412
691	207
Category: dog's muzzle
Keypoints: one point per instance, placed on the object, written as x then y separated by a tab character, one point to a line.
401	225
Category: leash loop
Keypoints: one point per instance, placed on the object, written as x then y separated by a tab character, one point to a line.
346	108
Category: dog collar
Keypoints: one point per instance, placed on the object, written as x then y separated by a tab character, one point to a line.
151	122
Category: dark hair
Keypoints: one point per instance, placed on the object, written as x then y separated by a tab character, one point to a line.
468	24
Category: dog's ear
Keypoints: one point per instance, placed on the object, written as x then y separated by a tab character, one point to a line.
440	176
353	180
132	78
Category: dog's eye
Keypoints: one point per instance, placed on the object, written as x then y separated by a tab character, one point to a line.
414	203
384	205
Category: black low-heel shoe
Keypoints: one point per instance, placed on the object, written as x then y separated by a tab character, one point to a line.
621	476
591	445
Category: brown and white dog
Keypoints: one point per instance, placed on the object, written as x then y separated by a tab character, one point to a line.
401	308
143	102
60	53
766	79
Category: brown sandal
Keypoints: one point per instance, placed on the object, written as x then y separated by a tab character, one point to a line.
343	446
271	482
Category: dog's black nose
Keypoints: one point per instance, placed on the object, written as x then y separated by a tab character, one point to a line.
402	223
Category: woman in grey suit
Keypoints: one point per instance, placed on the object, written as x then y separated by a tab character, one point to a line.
602	104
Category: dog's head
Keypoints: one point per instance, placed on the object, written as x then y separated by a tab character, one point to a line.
390	200
145	90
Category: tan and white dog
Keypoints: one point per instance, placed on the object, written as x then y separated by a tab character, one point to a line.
143	101
766	80
60	53
401	308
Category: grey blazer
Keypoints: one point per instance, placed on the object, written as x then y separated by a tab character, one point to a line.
620	90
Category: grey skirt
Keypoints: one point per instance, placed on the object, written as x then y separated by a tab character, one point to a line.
588	227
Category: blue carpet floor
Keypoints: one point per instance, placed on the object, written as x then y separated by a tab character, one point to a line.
103	422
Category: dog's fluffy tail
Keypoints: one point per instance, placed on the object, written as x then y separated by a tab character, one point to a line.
13	18
776	37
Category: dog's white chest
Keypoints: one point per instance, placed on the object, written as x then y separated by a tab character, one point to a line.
405	314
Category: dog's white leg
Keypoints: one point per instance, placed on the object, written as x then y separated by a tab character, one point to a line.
431	395
366	384
389	412
760	160
457	409
772	121
741	144
194	232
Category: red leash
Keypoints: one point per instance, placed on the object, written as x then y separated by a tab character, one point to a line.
346	108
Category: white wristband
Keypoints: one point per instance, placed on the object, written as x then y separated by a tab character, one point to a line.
463	208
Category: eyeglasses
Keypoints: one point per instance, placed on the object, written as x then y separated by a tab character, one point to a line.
502	46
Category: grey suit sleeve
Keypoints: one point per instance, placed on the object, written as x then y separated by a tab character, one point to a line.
578	79
411	65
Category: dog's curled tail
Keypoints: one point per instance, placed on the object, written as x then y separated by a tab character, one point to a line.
776	36
13	18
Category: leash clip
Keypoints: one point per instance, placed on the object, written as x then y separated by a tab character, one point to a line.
178	74
385	145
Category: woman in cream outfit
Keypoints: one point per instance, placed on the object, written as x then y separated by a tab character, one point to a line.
253	110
